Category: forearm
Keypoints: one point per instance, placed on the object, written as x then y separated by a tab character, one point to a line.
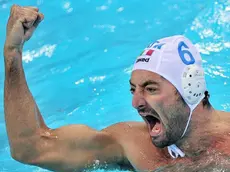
23	119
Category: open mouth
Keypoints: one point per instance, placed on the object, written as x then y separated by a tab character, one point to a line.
154	125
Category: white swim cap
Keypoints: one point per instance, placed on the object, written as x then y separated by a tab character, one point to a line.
177	60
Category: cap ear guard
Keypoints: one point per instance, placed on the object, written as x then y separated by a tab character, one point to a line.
193	84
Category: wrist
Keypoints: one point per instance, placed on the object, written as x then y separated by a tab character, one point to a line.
11	48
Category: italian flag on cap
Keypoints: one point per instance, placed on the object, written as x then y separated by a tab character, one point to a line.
147	52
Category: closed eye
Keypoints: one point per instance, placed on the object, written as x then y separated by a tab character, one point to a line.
150	89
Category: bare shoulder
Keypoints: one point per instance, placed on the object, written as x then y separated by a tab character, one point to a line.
128	124
224	114
127	133
223	119
130	129
137	145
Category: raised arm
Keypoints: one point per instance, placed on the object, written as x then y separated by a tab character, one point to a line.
68	148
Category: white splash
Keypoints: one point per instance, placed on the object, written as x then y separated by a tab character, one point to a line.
226	106
66	69
105	26
196	24
207	32
97	78
227	8
79	81
4	6
132	21
67	7
39	2
70	113
128	70
227	44
86	38
102	8
120	9
46	50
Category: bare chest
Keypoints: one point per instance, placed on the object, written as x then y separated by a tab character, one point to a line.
145	157
207	164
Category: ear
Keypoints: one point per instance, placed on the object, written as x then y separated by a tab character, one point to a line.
193	83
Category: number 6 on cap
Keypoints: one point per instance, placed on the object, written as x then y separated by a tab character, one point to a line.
182	53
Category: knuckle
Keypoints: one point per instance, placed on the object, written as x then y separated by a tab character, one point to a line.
41	16
15	12
34	15
30	14
13	8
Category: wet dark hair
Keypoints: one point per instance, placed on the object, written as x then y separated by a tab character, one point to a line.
205	100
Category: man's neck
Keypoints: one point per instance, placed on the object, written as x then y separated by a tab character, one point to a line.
200	132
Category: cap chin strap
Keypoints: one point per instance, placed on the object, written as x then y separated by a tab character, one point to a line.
193	85
173	150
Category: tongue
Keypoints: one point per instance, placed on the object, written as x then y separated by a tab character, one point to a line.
156	129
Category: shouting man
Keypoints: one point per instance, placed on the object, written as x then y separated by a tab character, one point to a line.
181	130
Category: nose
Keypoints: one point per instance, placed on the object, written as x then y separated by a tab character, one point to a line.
138	101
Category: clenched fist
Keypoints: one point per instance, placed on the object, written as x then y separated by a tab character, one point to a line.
21	25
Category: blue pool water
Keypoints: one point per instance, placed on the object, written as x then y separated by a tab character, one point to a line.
79	60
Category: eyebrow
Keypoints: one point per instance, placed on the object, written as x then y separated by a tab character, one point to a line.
144	84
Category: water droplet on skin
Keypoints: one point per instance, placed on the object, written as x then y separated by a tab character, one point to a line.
130	125
143	155
47	133
97	162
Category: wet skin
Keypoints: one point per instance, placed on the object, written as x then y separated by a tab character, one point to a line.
139	146
211	152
